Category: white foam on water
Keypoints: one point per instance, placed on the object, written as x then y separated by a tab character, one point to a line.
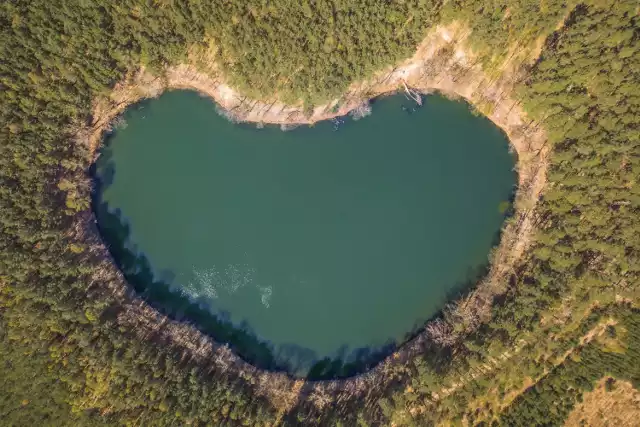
209	282
265	296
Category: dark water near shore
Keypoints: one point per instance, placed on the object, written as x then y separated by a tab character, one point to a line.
315	250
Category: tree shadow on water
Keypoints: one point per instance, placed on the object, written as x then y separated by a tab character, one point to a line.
158	291
343	364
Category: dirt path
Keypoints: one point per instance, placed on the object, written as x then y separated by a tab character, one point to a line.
595	332
494	364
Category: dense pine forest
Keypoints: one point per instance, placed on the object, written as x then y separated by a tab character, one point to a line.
66	360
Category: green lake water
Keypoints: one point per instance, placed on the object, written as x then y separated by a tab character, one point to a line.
315	250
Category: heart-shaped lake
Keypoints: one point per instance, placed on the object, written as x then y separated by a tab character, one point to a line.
331	242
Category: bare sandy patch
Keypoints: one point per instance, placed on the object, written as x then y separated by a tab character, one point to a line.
616	404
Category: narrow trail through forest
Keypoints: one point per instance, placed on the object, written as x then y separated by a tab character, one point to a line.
495	364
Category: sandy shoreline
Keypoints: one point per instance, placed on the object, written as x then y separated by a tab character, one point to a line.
441	63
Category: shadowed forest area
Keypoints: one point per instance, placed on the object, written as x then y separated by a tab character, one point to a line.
68	358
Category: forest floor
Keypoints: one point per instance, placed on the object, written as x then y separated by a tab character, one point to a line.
442	63
619	406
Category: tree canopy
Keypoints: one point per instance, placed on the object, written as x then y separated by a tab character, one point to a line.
66	360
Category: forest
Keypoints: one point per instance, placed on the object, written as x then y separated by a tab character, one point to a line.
66	359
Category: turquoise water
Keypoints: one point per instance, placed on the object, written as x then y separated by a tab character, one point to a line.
330	243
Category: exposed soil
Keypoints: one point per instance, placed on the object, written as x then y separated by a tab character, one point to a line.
619	406
441	63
